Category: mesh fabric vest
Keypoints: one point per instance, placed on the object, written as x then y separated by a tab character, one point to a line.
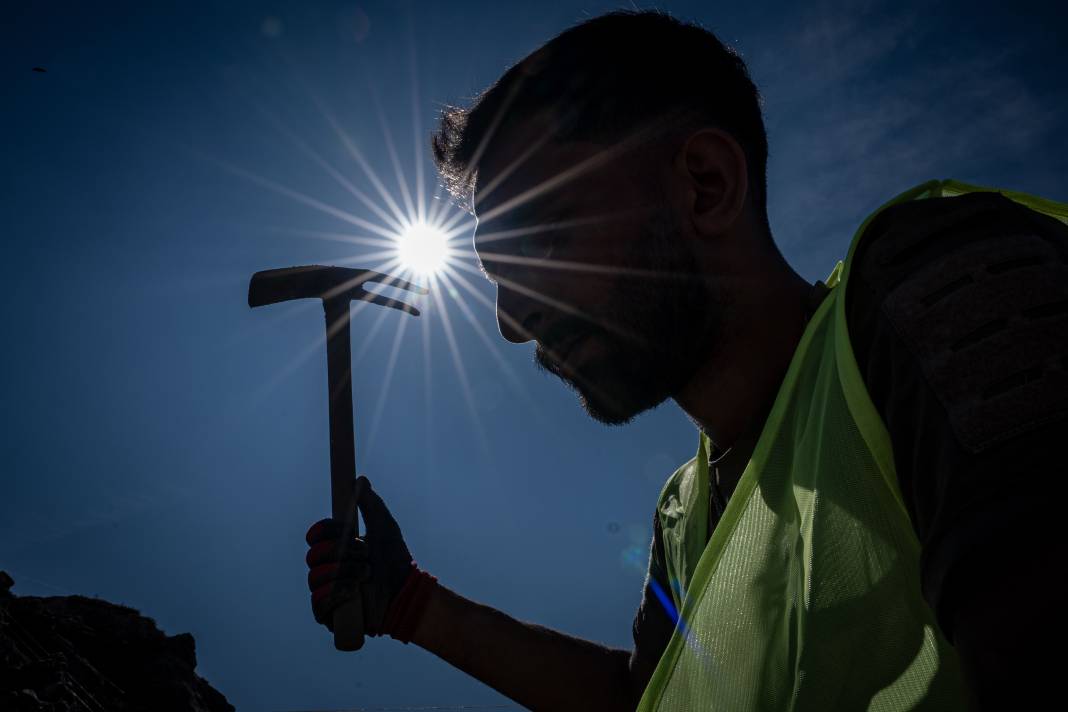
807	595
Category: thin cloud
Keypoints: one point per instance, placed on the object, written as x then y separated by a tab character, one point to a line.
861	104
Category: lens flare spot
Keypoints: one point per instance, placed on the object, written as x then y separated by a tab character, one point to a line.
423	249
634	559
271	27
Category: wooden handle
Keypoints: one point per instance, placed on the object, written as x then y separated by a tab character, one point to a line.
348	625
344	494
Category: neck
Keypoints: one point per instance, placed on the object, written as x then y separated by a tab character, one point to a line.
732	391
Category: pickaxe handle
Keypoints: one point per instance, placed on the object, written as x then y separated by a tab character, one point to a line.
348	618
336	286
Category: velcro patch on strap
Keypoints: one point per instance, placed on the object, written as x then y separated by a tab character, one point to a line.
978	291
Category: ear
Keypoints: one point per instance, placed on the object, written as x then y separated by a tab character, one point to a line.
714	168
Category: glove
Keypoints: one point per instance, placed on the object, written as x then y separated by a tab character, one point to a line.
377	567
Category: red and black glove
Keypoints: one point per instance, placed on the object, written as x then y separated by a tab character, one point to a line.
393	589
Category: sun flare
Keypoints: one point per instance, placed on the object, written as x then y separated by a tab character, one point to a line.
423	249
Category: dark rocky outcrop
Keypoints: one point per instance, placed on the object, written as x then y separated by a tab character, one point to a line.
67	653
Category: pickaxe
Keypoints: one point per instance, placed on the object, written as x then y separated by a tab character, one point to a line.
336	286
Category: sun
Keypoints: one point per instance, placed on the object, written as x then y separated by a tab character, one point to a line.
423	249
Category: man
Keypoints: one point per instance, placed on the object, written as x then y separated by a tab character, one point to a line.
866	524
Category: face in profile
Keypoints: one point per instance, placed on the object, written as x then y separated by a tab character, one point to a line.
599	274
646	341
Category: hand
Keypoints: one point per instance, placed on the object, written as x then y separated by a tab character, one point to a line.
342	565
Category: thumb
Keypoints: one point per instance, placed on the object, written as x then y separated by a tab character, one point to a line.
376	516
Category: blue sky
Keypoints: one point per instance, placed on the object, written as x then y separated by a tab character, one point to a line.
165	447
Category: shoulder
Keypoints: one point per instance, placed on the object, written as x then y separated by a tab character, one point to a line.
976	231
976	289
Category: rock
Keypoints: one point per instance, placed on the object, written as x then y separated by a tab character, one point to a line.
65	653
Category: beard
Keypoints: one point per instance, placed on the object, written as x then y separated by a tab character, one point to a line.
672	321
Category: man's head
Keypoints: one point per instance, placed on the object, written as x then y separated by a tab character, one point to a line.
608	169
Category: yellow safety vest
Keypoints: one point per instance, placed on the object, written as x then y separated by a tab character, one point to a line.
807	595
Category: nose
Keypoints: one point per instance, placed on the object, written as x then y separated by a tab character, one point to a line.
518	316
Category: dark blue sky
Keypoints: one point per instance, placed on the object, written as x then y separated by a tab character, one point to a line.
163	446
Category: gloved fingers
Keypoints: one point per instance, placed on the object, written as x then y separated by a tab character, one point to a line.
328	597
380	523
328	528
350	571
323	530
333	550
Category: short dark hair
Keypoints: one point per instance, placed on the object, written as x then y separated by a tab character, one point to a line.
606	78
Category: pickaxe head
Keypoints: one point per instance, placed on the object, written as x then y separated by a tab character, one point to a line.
334	285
